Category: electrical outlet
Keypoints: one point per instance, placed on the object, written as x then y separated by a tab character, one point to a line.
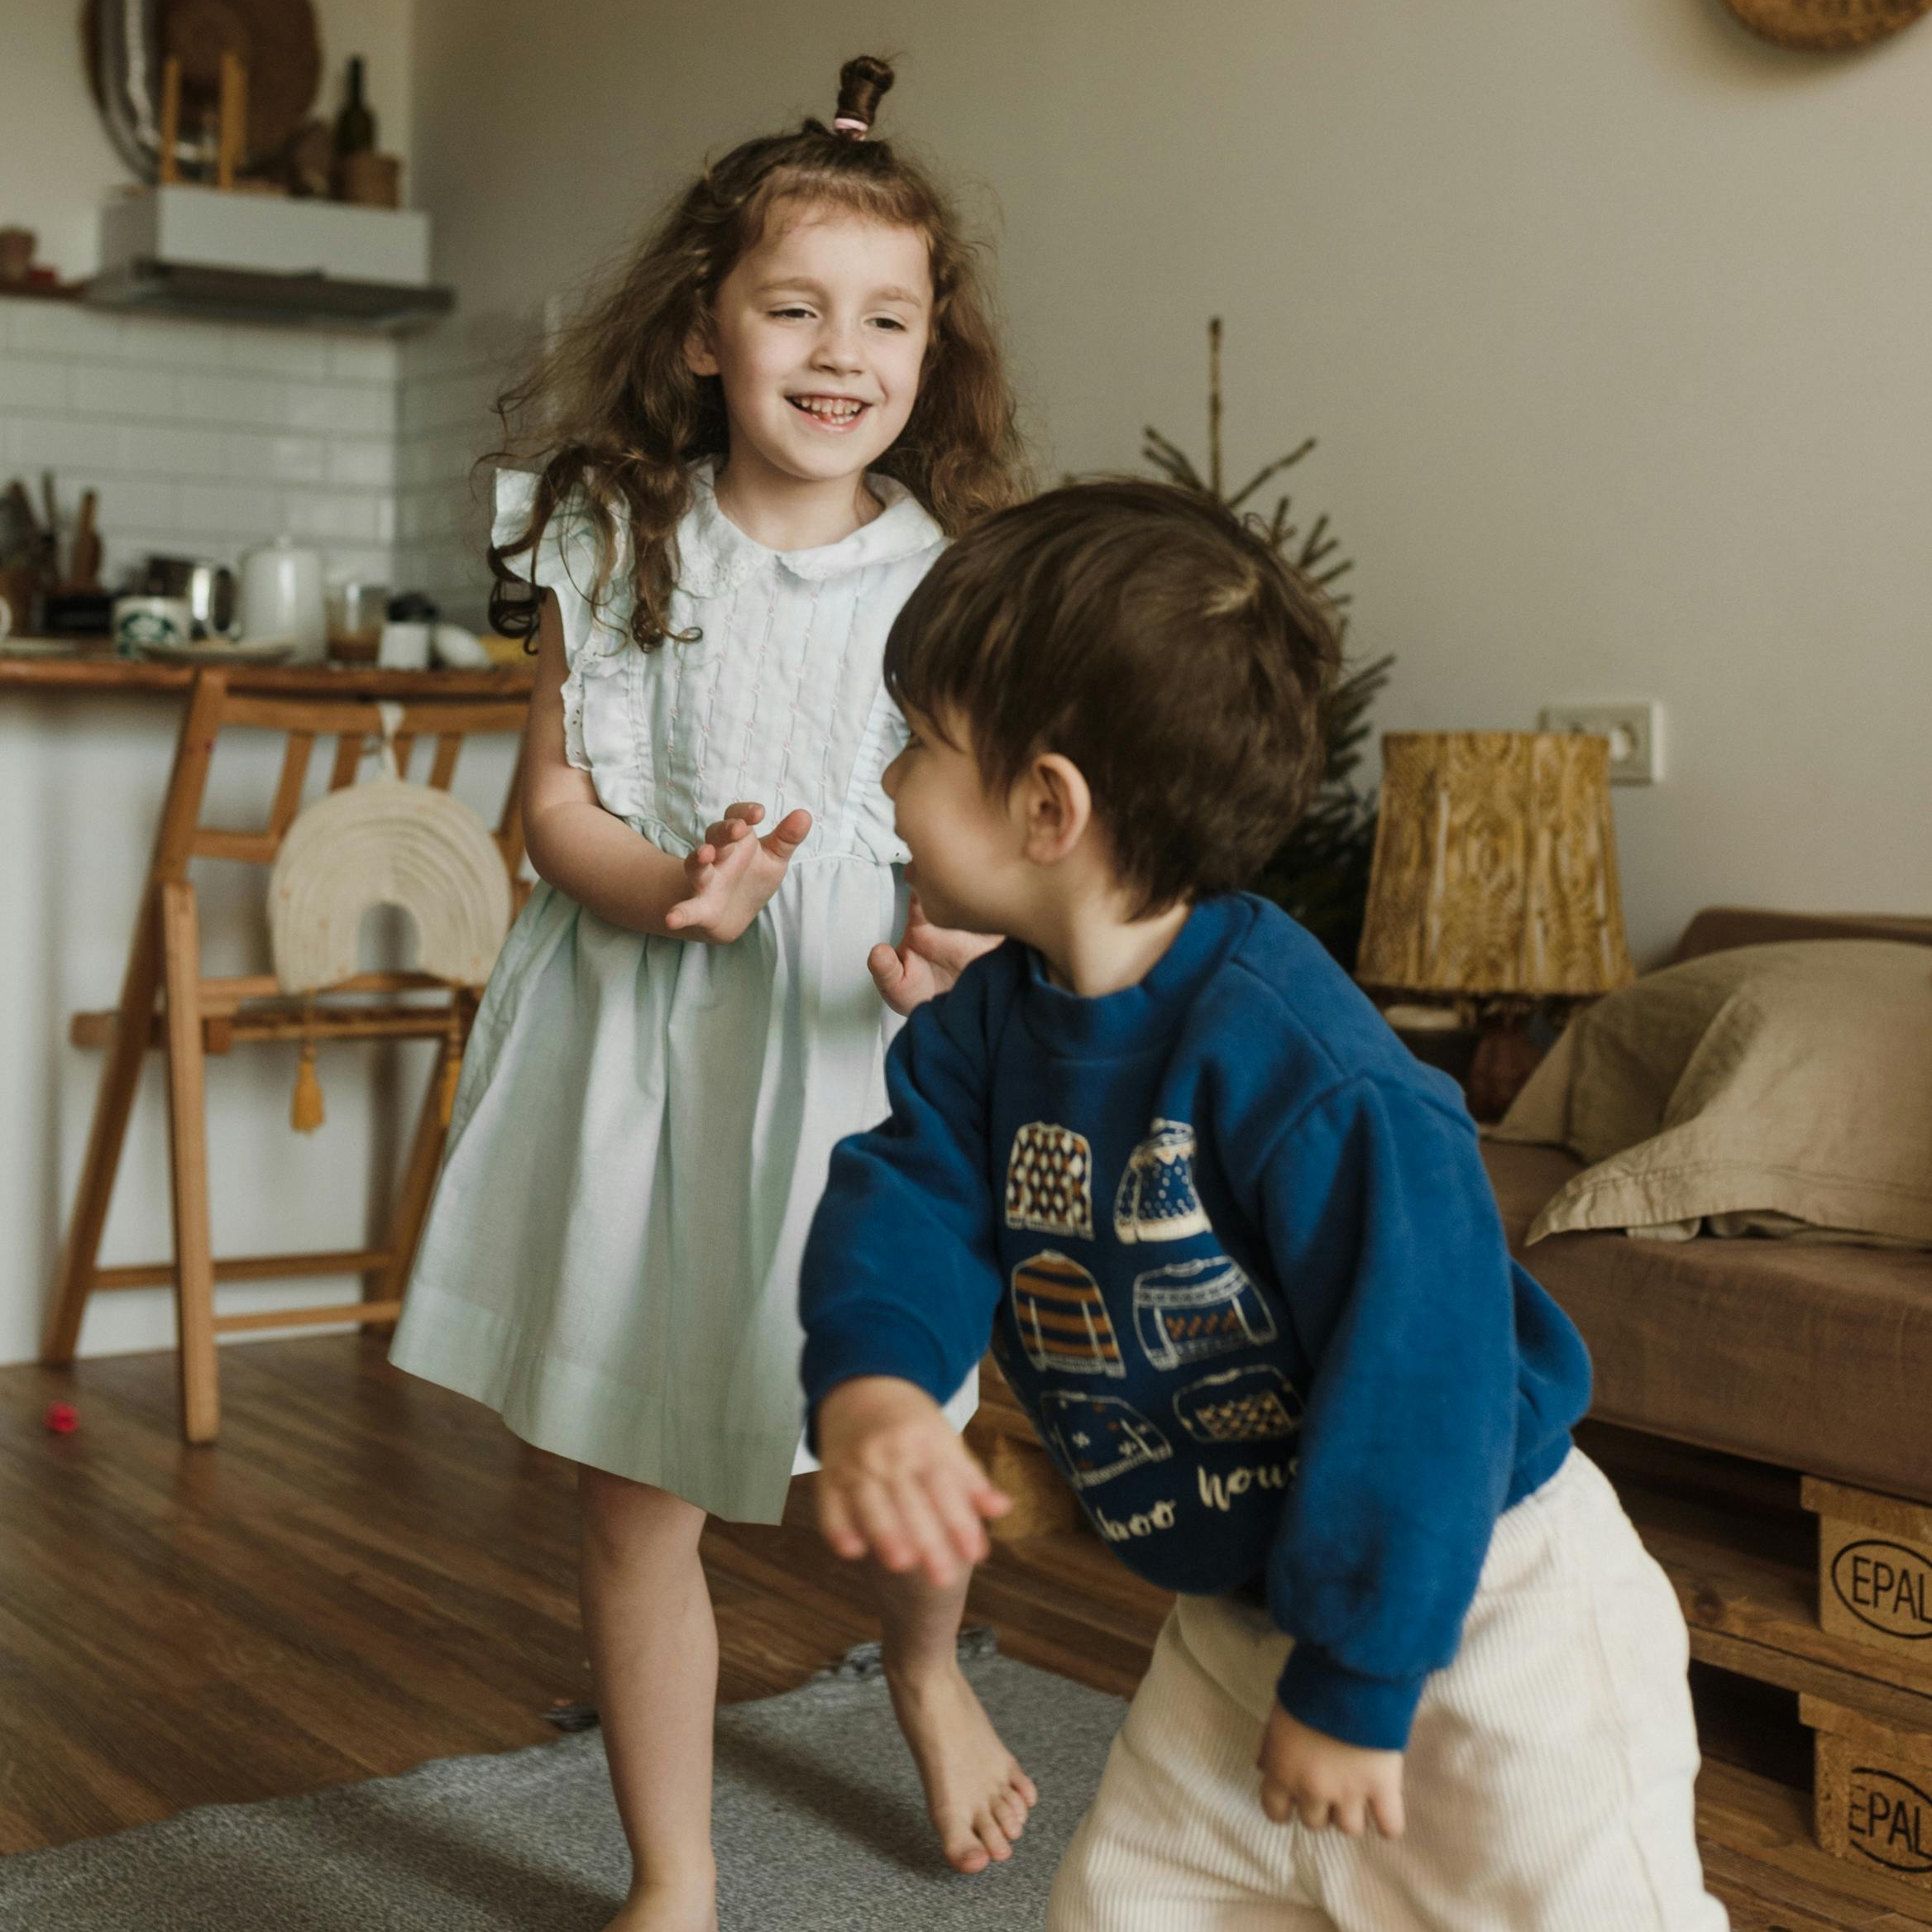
1635	732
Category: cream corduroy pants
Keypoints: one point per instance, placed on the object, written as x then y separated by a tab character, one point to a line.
1547	1782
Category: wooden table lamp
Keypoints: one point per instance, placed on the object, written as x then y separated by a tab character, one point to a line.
1494	885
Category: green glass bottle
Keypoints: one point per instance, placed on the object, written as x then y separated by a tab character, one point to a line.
355	126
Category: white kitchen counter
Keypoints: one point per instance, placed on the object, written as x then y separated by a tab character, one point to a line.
85	750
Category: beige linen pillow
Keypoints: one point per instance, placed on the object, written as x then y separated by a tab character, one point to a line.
1782	1089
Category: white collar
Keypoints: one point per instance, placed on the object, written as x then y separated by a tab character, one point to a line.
715	557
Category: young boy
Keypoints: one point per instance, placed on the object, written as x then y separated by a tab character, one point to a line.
1239	1261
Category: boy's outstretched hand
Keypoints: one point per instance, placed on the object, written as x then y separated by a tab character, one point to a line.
1307	1774
927	959
897	1483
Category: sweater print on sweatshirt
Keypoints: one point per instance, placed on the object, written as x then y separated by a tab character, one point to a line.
1235	1252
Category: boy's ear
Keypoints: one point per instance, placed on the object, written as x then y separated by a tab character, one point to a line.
1059	807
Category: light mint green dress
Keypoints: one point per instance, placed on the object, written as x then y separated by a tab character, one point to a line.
644	1125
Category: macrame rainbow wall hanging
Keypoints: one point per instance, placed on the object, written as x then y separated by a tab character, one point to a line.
383	842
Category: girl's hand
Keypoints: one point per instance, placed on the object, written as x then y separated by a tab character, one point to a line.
896	1481
1308	1774
733	873
925	961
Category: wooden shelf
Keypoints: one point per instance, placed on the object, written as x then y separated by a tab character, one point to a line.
231	294
100	670
29	292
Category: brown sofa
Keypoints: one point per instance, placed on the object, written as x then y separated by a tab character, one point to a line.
1816	1358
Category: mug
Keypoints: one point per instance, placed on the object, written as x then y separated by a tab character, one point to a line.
150	620
209	588
404	645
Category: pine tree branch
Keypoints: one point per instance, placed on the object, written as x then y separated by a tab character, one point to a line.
1170	458
1267	470
1320	872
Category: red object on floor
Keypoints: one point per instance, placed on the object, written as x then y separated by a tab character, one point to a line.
62	1417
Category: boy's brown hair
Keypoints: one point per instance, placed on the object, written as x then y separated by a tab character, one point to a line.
1146	633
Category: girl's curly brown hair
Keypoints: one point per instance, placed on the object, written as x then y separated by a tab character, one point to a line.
617	418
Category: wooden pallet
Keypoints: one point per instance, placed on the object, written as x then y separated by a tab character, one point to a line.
1737	1543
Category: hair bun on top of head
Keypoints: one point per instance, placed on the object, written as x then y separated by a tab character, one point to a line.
862	84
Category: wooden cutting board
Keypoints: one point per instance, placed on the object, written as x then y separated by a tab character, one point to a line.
275	40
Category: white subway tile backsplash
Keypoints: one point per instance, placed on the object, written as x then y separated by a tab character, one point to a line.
205	439
176	342
296	355
235	399
364	359
123	389
230	510
332	516
344	408
171	450
349	566
461	401
280	459
60	442
362	466
32	383
128	502
62	329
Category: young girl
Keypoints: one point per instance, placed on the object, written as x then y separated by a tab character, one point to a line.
751	450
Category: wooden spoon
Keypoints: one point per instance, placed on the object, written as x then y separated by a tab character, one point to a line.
83	567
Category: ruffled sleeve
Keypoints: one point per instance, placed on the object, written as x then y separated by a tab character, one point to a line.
565	562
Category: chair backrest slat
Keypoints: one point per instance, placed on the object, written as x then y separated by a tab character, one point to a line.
288	793
325	716
348	760
353	724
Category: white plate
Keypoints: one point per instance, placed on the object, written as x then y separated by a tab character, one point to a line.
261	651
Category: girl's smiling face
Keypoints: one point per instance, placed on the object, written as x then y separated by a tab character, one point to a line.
818	335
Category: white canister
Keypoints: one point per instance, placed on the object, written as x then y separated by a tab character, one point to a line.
281	597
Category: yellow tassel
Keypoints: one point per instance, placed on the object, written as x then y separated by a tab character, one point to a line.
453	1069
305	1113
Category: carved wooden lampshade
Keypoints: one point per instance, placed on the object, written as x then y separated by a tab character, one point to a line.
1495	879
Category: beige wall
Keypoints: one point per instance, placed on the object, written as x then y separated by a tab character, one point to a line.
56	162
1613	322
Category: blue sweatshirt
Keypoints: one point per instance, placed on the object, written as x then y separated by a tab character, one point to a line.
1240	1263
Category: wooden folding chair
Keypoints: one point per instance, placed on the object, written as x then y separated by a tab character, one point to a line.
201	1016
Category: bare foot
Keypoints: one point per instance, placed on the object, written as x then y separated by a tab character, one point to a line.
669	1908
976	1794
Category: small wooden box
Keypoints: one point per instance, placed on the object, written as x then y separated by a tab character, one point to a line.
1874	1792
1875	1572
1003	1438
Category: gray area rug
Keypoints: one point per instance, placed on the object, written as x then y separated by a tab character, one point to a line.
818	1819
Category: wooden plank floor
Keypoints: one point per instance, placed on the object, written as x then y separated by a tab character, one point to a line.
367	1572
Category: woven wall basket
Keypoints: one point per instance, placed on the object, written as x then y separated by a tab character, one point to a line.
385	843
1825	27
